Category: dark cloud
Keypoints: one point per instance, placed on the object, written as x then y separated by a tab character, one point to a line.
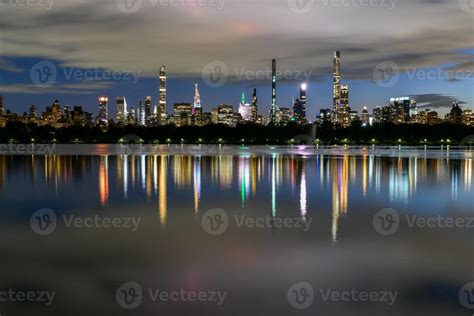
435	101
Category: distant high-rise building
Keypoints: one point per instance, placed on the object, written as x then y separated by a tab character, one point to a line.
336	84
2	109
401	109
140	120
67	115
274	104
432	118
254	106
285	116
377	114
197	116
299	106
197	107
103	110
121	110
197	97
324	116
79	117
225	114
131	117
182	114
344	111
161	113
365	117
468	117
215	116
33	113
206	118
148	115
455	116
245	109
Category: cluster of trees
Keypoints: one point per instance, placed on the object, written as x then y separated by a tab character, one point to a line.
326	134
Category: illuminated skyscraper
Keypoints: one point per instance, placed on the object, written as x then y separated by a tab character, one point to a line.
182	114
103	110
162	97
148	116
365	117
2	109
197	108
299	106
254	106
336	85
121	110
245	109
274	105
197	97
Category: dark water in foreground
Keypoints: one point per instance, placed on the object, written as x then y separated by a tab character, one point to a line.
233	235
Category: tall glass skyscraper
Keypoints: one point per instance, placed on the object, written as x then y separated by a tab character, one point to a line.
274	105
299	107
121	110
103	109
162	115
254	106
336	85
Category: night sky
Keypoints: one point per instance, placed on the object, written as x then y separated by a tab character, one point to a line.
430	42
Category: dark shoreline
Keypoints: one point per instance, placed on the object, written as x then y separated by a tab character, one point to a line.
408	134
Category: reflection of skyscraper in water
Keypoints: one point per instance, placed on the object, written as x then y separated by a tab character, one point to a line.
197	183
303	192
125	175
222	167
162	200
398	182
182	171
104	180
274	185
148	177
468	174
340	174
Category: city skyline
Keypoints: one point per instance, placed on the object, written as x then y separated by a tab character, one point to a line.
244	44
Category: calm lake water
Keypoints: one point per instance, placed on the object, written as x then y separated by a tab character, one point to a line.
259	233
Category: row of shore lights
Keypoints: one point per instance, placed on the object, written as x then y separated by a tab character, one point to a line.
220	141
